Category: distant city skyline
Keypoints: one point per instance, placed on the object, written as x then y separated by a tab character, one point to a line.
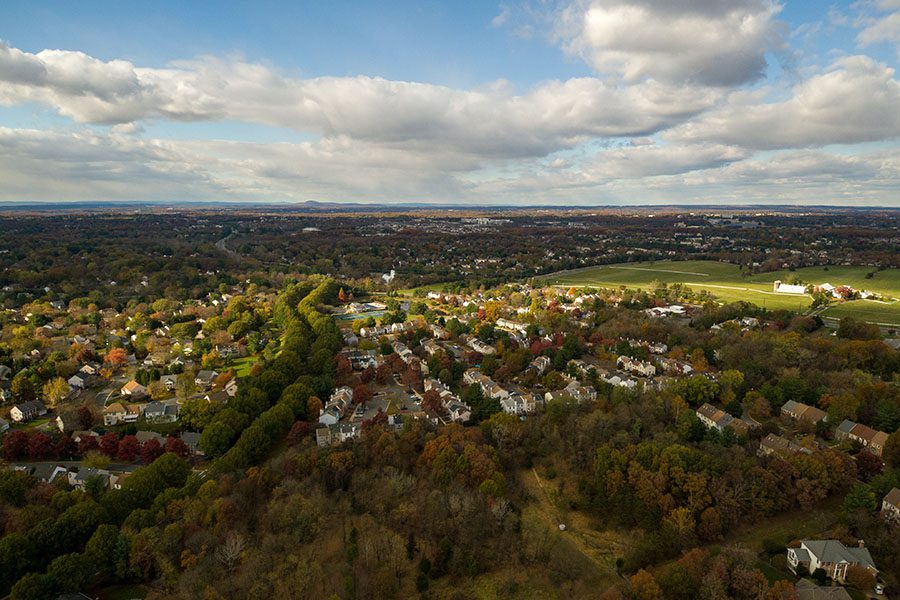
585	102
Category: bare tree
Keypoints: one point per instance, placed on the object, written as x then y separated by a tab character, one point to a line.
229	553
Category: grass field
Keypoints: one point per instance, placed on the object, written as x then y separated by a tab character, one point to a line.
242	366
724	280
867	310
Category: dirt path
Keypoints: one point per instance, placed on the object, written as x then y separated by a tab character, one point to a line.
601	548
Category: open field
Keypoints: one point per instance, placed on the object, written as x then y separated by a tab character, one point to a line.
868	310
725	281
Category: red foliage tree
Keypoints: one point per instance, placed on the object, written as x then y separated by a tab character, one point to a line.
361	394
177	446
87	444
342	296
128	449
432	401
382	374
66	447
40	445
15	445
367	375
109	444
150	451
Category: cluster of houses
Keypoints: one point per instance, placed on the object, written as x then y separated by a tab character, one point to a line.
718	419
374	332
77	477
869	438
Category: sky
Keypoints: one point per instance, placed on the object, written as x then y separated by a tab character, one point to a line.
540	102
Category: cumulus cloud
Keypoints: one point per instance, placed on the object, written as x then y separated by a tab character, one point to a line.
881	28
710	42
854	101
490	121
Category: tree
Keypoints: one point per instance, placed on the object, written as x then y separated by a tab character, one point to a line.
15	445
34	586
782	590
40	445
362	394
55	391
117	358
128	449
860	578
229	553
22	388
150	451
891	451
109	444
644	586
342	296
177	446
85	417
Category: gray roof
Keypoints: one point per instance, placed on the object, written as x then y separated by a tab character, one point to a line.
834	551
846	426
807	590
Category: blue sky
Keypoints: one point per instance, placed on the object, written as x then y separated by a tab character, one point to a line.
544	102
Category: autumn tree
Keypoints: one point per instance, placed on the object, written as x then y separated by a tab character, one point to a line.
117	358
128	449
55	391
645	587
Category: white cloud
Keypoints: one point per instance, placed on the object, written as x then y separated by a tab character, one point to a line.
489	122
856	100
709	42
885	28
502	17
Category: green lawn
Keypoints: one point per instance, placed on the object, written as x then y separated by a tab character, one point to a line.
242	366
725	282
867	310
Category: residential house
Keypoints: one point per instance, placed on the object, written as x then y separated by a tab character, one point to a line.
637	367
78	479
337	433
803	412
540	364
231	388
807	590
27	411
714	418
4	425
776	444
459	411
204	379
169	381
114	414
480	347
830	555
133	389
161	412
217	397
68	422
145	436
191	439
90	369
76	382
890	506
866	436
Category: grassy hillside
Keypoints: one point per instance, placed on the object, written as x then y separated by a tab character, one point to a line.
726	282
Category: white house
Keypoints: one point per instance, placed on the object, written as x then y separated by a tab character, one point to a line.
830	555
